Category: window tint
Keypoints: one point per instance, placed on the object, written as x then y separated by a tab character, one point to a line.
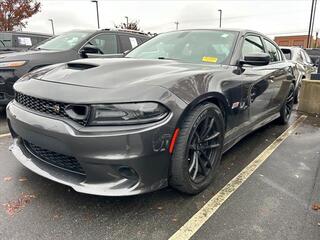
252	44
128	42
107	43
272	50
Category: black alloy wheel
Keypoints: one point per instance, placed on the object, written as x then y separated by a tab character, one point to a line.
198	149
287	107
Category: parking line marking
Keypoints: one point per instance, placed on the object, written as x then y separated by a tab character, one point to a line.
5	135
200	218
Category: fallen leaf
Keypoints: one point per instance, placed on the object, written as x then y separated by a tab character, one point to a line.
174	220
7	179
316	206
15	206
23	179
159	208
57	216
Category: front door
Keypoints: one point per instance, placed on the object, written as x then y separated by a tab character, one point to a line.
259	80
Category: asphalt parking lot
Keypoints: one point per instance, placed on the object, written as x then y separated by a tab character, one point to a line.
3	123
35	208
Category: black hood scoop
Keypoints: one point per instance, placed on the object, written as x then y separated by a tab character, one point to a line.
80	66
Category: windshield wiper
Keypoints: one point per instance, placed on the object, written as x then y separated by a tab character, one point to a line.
165	58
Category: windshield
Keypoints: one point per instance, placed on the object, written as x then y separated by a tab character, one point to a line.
64	41
197	46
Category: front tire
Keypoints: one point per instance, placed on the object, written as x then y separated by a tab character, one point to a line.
198	149
286	109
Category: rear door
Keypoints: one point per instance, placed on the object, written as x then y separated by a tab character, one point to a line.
279	77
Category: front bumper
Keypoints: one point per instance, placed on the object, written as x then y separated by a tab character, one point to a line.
102	152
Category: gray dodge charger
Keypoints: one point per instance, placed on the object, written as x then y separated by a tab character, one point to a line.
162	115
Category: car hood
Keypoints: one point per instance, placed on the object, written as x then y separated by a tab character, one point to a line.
124	72
24	55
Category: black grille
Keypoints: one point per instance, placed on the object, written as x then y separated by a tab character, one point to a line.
45	106
56	159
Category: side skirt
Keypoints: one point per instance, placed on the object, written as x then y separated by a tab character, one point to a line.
231	142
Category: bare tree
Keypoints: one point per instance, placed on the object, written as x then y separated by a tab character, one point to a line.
13	13
132	25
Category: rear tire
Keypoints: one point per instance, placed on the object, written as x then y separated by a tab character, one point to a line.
286	109
198	149
296	94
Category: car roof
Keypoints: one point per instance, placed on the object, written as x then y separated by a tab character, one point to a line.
27	33
111	31
238	30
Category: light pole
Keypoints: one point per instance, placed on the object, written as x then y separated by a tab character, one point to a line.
310	32
51	20
220	10
314	14
127	21
97	7
177	25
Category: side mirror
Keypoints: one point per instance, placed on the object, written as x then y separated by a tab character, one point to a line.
256	59
89	49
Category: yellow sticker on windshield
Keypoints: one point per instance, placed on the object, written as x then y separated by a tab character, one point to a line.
209	59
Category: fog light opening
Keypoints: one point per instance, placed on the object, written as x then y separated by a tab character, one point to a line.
128	173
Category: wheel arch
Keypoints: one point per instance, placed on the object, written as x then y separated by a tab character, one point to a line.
213	97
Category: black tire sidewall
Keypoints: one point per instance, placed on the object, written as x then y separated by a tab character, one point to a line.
284	118
180	177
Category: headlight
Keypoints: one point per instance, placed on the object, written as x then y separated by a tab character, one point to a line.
12	64
128	113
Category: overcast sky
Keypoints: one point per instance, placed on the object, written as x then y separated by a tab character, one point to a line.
272	17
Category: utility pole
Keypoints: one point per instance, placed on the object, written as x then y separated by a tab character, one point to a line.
127	22
177	25
220	11
51	20
310	23
97	7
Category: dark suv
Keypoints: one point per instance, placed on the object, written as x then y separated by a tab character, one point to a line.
20	41
65	47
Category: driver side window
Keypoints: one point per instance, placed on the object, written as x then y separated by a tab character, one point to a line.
252	44
107	43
